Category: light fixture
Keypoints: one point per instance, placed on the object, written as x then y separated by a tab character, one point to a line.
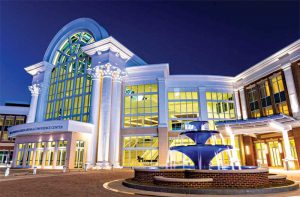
247	149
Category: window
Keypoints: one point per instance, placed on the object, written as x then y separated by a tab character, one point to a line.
141	106
70	85
182	107
220	105
279	94
79	153
253	101
265	95
140	151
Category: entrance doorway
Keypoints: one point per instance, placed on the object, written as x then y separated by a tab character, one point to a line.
79	153
275	153
261	153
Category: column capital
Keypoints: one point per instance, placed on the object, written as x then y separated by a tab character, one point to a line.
35	89
286	66
107	70
118	75
95	72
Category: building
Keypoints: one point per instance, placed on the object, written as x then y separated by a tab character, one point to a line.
10	114
94	101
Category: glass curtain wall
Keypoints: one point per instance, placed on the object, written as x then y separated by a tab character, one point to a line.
70	85
183	107
267	97
140	151
141	106
220	107
176	158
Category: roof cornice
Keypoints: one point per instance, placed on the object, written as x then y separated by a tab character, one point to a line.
271	59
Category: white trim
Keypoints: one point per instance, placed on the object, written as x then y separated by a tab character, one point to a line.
14	110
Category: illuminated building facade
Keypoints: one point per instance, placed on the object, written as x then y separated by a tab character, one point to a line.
94	101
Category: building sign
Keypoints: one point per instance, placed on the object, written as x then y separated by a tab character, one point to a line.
36	128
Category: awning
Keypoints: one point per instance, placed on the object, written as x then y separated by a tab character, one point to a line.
53	126
258	125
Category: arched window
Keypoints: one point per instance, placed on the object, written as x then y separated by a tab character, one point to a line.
70	85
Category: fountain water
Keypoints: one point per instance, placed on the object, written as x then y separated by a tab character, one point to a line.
200	153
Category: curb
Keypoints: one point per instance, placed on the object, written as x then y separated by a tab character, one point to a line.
287	188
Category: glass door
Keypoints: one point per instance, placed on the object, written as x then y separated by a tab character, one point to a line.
261	153
275	153
79	153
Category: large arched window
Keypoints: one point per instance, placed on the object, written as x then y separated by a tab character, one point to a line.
70	85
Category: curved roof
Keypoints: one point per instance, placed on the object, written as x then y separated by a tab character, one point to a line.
80	24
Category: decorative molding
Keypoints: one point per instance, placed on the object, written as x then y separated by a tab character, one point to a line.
38	68
95	72
286	66
35	89
108	44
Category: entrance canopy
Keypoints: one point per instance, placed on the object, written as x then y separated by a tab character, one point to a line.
54	126
274	123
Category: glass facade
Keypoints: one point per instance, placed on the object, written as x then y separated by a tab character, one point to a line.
140	151
220	107
183	106
267	97
38	152
176	158
70	85
141	106
280	97
8	121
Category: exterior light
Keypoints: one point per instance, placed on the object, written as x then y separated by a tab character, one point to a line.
247	149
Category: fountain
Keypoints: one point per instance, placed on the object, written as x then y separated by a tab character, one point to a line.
200	153
206	179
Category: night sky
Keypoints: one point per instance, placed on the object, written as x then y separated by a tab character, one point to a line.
193	37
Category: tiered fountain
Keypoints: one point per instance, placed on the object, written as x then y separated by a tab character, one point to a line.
205	179
200	153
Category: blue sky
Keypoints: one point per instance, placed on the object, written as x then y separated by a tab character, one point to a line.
218	38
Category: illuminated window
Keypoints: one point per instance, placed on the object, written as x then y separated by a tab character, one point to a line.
70	85
220	105
141	106
177	158
140	151
182	107
253	101
265	96
279	94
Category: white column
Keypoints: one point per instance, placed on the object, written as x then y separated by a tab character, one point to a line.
105	116
35	90
237	104
203	103
234	158
243	104
287	146
163	103
114	144
291	89
94	114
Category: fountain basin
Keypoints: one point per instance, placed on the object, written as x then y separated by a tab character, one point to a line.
248	178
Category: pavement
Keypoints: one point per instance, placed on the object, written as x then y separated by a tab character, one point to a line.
100	183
